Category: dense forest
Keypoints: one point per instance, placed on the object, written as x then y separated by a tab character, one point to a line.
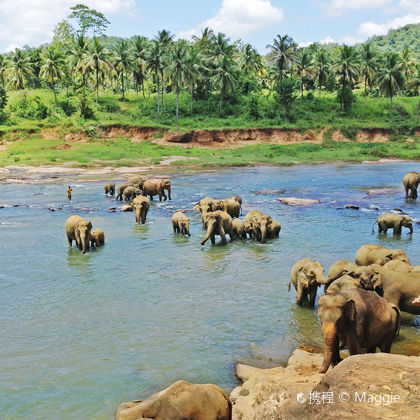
209	76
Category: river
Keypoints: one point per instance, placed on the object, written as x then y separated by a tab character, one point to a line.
82	333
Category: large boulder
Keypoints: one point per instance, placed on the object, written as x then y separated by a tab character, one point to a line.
365	386
180	401
293	201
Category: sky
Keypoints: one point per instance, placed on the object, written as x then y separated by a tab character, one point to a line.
31	22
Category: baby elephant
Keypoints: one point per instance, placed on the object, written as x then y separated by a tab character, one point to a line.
181	223
346	281
307	275
130	193
393	221
110	188
377	254
361	319
97	237
238	228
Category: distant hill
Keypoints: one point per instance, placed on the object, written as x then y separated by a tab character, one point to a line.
399	39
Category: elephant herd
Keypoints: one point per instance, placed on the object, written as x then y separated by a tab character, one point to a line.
363	299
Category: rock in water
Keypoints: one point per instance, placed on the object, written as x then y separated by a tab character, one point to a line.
351	206
126	207
293	201
268	192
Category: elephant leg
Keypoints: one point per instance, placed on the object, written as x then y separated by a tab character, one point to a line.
70	241
371	349
300	294
312	295
386	344
352	344
213	239
164	195
174	227
397	230
222	235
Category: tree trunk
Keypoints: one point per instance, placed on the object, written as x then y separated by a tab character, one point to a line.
158	104
418	112
365	91
301	86
342	94
55	96
192	97
142	87
177	104
122	84
97	84
221	102
390	108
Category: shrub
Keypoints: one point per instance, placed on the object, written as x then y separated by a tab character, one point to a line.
346	98
68	107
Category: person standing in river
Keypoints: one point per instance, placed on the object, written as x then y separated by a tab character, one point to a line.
69	190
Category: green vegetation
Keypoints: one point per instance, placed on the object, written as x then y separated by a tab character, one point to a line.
84	80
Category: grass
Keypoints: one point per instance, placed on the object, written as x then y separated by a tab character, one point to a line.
23	139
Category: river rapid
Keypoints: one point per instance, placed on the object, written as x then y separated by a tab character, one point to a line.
82	333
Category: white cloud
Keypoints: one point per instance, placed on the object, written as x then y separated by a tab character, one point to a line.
412	6
368	29
327	40
350	40
32	21
338	7
239	18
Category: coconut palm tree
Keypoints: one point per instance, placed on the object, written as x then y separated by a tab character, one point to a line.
195	69
139	54
282	55
347	68
390	77
154	64
368	64
224	75
165	40
123	61
3	69
77	58
52	69
204	40
178	70
408	63
250	61
321	67
220	46
415	84
19	70
304	65
97	59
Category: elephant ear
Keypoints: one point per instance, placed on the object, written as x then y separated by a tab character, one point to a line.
388	258
350	311
77	235
397	327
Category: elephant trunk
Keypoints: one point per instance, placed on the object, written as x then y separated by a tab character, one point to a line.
209	232
263	234
137	214
169	193
85	243
329	331
411	229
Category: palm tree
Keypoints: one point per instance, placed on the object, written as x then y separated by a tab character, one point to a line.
178	69
282	55
390	77
205	39
408	63
77	58
52	69
155	66
97	59
195	69
347	68
219	47
165	40
303	67
3	69
368	63
415	83
139	61
19	70
321	67
122	61
250	61
225	78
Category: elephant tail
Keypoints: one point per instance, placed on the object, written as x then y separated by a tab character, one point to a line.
290	283
373	226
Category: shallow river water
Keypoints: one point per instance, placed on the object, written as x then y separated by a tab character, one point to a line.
82	333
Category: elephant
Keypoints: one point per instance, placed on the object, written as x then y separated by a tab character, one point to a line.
273	229
230	205
346	281
130	193
377	254
237	198
411	181
110	188
137	181
97	237
156	186
249	229
402	267
361	319
78	229
205	205
218	223
307	275
141	206
259	222
181	223
350	268
395	221
180	401
121	189
400	289
238	228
